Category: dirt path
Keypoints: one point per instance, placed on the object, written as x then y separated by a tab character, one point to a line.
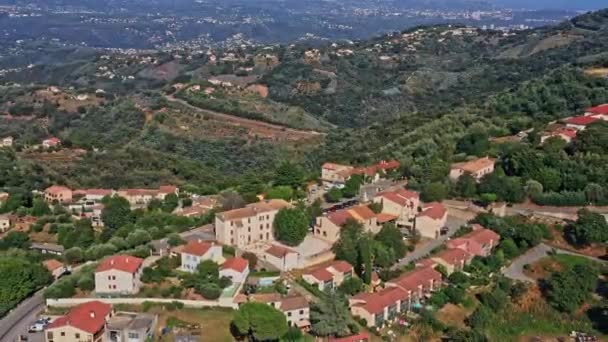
254	125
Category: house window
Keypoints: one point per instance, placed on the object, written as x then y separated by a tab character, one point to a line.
133	335
109	277
62	333
77	335
49	335
289	314
301	312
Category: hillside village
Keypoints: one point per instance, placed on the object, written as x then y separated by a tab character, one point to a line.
335	193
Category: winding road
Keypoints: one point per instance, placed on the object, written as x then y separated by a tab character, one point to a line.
516	269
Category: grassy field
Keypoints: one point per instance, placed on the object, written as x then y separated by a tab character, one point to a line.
539	320
214	323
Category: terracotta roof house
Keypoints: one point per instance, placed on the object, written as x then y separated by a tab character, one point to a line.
118	274
328	226
478	242
93	194
197	251
580	122
295	308
245	226
453	259
332	174
418	283
565	133
401	203
477	168
597	110
281	257
237	269
51	142
329	277
431	219
379	307
58	194
57	268
84	322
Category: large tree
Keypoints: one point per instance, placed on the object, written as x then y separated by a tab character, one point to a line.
391	237
589	228
291	226
20	278
331	317
116	212
290	174
259	322
567	290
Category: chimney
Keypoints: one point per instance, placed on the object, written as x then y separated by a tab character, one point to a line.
127	260
112	262
92	314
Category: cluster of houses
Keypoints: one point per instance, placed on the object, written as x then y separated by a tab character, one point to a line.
569	128
336	175
96	321
410	290
46	143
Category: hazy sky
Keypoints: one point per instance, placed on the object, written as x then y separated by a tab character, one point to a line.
558	4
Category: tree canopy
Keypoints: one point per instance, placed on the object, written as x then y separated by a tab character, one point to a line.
259	321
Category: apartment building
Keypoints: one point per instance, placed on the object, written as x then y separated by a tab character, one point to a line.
328	227
118	274
241	227
401	204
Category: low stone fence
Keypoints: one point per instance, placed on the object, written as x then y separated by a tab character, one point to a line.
68	302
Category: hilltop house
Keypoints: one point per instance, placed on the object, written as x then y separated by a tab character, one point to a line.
565	133
144	196
58	194
241	227
92	196
477	168
118	274
195	252
51	142
84	322
479	242
335	175
579	123
401	203
330	276
328	226
431	219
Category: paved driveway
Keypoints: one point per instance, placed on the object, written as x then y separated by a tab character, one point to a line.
516	269
453	223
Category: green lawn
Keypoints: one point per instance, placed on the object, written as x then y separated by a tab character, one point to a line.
570	261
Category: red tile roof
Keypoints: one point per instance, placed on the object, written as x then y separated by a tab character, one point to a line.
482	236
376	302
341	266
362	212
198	248
52	264
339	217
582	120
388	165
333	166
321	274
419	277
469	245
238	264
89	317
125	263
601	109
52	140
383	218
454	256
474	166
167	189
279	251
434	210
54	189
401	196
